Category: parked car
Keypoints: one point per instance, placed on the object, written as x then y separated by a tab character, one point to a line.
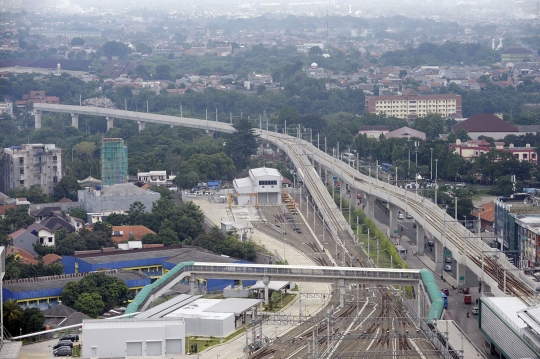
63	343
466	290
400	216
448	259
409	216
475	310
448	268
445	291
71	337
62	352
461	185
467	299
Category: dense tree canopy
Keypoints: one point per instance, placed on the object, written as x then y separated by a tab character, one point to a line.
95	293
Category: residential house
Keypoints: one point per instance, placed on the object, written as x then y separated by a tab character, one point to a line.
405	132
51	258
22	255
123	233
24	239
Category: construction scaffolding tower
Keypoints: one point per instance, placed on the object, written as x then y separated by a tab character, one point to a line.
114	161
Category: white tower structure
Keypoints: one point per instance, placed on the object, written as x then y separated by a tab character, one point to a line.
492	44
350	9
500	44
58	68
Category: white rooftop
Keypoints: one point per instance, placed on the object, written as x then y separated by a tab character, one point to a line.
242	182
197	309
264	171
508	308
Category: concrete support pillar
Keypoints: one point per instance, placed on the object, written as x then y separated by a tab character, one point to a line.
142	125
460	271
393	220
110	123
341	287
266	281
75	120
369	210
439	260
191	286
420	242
211	134
37	122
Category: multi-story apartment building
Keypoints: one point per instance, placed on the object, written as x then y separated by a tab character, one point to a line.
411	105
39	165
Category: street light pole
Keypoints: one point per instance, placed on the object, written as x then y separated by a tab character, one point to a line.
436	175
431	164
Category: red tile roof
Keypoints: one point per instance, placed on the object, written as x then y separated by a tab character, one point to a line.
485	122
51	258
137	231
488	212
25	256
64	200
5	207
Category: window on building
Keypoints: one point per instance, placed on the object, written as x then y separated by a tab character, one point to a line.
21	170
267	183
50	239
21	182
524	156
39	160
21	160
55	179
55	168
54	158
533	156
517	155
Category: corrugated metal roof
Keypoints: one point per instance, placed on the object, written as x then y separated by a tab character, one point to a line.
130	323
233	305
171	305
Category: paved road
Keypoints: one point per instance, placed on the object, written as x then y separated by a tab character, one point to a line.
456	307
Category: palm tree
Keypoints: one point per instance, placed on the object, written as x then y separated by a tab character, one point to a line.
12	316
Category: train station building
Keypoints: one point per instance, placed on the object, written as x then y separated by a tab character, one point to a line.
262	186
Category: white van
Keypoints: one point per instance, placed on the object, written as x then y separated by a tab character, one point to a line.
348	156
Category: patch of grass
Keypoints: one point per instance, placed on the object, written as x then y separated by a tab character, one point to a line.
279	304
203	343
76	352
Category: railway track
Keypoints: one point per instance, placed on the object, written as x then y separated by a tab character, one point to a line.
469	246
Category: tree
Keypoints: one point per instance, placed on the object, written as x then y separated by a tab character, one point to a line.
12	314
33	194
67	187
112	291
143	48
79	213
90	304
315	51
460	133
17	218
242	143
142	71
114	48
117	219
136	209
163	72
32	320
77	41
187	180
261	89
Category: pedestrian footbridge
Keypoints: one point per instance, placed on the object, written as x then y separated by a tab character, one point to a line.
422	280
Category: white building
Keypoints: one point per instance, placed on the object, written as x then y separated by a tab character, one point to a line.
156	178
133	337
263	186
